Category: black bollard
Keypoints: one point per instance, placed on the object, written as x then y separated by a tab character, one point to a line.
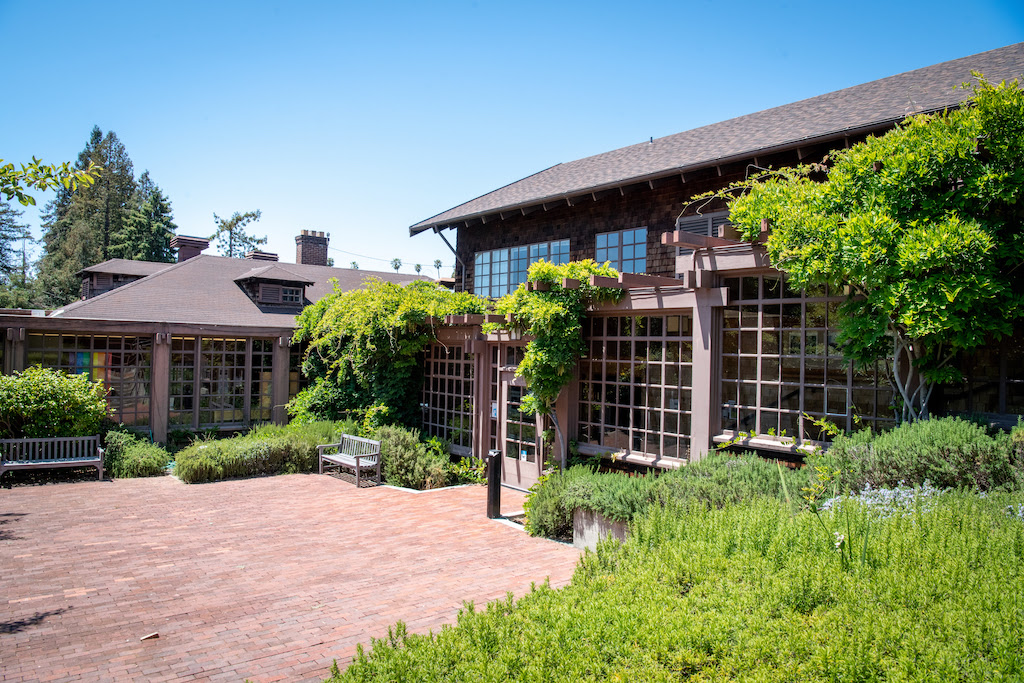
493	484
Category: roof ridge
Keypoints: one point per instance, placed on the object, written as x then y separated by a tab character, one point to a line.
74	305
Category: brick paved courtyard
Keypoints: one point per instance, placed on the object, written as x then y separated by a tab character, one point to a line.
266	579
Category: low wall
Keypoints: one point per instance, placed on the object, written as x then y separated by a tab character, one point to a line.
589	527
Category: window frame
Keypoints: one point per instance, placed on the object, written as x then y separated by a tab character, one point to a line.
615	254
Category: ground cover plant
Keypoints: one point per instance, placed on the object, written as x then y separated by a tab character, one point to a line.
752	591
129	455
268	449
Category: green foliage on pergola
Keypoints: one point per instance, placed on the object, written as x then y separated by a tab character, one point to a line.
922	224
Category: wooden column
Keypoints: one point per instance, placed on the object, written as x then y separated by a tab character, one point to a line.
279	380
703	422
160	387
481	398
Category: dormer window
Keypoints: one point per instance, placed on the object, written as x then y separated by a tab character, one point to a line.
274	285
291	295
278	294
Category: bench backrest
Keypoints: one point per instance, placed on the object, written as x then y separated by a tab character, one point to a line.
356	445
57	448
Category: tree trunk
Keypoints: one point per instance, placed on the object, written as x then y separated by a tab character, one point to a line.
560	438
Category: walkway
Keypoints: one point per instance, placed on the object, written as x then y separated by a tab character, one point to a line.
266	579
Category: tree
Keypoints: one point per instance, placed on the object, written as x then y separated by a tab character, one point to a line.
552	316
924	225
35	175
354	265
78	225
437	265
12	232
396	264
234	241
417	268
147	232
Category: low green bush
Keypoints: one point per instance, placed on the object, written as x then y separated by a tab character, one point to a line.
268	449
946	452
407	461
42	403
715	481
127	455
751	592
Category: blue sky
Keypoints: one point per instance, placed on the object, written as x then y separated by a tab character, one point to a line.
360	119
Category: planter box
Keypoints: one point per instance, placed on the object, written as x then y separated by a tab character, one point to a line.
589	527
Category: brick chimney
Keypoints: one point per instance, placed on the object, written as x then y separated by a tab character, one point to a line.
188	246
257	255
311	248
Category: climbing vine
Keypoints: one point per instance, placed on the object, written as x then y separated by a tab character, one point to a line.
363	347
552	316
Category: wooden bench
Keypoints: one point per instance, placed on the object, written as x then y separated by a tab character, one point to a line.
352	452
64	451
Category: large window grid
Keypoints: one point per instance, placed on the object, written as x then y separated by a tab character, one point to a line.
123	364
500	271
781	361
218	381
625	250
448	394
635	384
261	388
993	380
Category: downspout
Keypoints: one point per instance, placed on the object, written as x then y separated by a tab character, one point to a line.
459	261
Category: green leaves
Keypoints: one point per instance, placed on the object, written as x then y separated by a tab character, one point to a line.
35	175
923	223
363	346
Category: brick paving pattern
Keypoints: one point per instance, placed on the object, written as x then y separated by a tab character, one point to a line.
267	579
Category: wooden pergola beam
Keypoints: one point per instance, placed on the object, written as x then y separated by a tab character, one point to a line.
681	238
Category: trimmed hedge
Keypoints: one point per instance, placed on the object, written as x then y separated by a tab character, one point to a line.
269	449
127	455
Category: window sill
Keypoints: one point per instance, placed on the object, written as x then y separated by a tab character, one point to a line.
632	458
773	443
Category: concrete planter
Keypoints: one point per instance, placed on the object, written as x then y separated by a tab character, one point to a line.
588	527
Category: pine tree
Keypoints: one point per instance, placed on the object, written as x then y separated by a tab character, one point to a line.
12	232
234	241
147	232
78	226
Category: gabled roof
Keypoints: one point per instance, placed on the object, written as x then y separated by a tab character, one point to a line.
273	273
851	111
203	290
120	266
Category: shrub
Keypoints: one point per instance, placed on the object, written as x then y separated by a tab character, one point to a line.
127	455
268	449
716	481
947	452
407	462
42	403
749	592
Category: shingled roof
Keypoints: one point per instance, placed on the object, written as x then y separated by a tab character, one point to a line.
121	266
202	290
851	111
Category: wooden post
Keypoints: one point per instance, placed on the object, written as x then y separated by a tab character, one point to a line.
704	394
160	388
279	380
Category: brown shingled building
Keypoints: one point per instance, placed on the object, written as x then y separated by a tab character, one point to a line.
710	340
201	343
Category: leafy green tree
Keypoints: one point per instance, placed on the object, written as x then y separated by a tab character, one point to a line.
396	263
354	265
233	240
923	225
417	268
147	232
12	233
78	225
15	183
363	347
552	317
437	266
